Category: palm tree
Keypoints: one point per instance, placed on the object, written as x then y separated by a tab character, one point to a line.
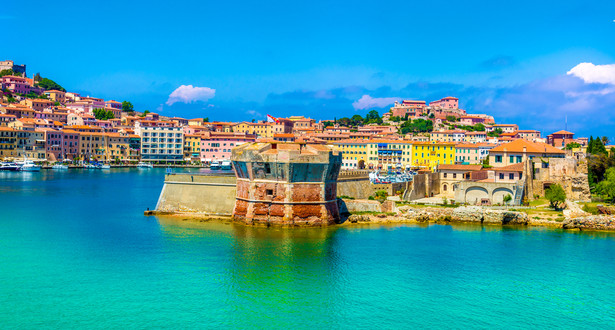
605	140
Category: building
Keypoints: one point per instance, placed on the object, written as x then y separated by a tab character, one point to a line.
506	128
218	145
16	84
38	104
161	143
115	105
450	175
430	155
409	108
262	129
560	138
192	146
10	65
448	136
286	184
530	135
520	150
448	102
56	96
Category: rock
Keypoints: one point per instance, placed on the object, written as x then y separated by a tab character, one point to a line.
358	218
389	206
592	222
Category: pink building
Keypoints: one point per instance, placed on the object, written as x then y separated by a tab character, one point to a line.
448	102
114	104
218	145
61	145
409	108
471	120
16	84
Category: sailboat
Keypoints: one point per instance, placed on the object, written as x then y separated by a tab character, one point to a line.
28	165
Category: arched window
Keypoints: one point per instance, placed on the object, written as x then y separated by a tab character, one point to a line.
444	187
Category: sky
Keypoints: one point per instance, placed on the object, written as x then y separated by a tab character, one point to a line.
545	65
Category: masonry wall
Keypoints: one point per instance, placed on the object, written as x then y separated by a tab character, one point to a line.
212	195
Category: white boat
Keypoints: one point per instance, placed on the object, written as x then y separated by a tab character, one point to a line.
145	165
60	167
29	166
105	167
214	166
9	167
90	166
226	165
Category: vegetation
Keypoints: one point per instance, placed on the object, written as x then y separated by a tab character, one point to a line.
474	128
495	133
127	106
102	114
9	72
416	126
49	84
507	199
606	187
599	160
572	145
372	117
451	118
556	196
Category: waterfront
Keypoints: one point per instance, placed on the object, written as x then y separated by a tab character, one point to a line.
76	251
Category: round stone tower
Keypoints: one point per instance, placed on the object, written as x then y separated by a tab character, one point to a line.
291	184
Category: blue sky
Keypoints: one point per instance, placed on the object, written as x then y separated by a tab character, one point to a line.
244	59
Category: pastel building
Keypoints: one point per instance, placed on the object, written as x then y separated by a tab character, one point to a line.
520	150
448	102
409	108
161	143
430	155
218	145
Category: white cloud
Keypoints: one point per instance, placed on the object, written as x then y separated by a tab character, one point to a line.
590	73
189	94
367	101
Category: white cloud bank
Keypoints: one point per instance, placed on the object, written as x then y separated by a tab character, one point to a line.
189	94
366	102
590	73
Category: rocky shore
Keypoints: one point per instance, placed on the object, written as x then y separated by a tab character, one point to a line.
480	215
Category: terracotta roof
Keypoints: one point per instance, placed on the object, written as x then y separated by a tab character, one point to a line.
460	167
563	132
531	147
510	168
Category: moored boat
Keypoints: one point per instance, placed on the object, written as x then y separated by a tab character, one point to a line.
226	165
29	166
9	167
60	167
145	165
214	166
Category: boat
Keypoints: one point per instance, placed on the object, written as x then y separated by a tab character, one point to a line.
88	166
60	167
104	167
214	166
9	167
226	165
29	166
145	165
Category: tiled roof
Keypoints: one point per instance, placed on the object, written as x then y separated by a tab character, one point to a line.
531	147
510	168
448	167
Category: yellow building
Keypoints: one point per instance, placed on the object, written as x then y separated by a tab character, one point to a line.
428	155
192	146
375	154
56	96
263	130
354	153
116	147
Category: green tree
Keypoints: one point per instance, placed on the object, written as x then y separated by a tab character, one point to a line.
49	84
572	145
556	196
206	120
7	72
416	126
102	114
356	120
372	117
495	133
605	140
607	186
590	145
451	118
127	106
37	77
479	127
507	198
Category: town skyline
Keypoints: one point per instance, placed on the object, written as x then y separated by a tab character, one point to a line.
245	68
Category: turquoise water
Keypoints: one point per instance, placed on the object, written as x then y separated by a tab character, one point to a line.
76	251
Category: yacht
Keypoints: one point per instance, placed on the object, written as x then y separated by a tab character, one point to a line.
60	167
145	165
214	166
105	167
29	166
9	167
226	165
89	166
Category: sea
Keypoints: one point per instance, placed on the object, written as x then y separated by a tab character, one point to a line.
76	251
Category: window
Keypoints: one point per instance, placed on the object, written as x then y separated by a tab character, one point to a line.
519	159
512	159
498	158
454	175
445	175
511	176
502	176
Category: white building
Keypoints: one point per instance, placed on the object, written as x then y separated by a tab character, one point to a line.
161	144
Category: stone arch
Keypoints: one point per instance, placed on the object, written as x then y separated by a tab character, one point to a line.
475	194
498	195
444	187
